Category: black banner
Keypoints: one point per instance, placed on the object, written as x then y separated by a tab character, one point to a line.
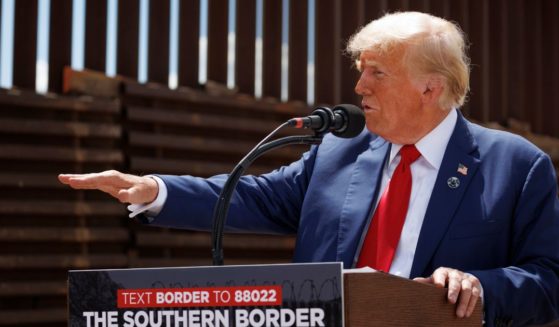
302	295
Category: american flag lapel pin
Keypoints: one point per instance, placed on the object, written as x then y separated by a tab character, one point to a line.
462	169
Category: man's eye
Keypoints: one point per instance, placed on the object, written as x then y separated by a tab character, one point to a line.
378	73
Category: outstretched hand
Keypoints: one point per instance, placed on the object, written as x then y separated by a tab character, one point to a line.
463	288
124	187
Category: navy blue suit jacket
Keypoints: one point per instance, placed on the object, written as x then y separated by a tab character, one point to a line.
501	223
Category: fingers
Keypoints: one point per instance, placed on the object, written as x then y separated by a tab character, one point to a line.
476	294
463	289
124	187
465	296
106	179
440	276
424	280
454	285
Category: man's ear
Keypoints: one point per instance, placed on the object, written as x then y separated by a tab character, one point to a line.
432	89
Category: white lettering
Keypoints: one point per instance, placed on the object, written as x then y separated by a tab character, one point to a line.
287	317
182	297
302	315
272	317
241	318
181	318
88	315
194	318
101	318
112	318
141	319
155	319
317	317
256	318
222	318
128	320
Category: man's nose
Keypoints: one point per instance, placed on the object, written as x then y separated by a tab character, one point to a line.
363	87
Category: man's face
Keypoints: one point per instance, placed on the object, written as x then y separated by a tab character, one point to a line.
391	101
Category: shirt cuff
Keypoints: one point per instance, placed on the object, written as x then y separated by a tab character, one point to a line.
151	209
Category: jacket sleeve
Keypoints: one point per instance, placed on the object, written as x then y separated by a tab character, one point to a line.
527	292
269	203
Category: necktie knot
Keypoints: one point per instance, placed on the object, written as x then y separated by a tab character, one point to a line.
409	153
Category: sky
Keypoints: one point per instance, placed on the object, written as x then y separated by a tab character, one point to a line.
78	43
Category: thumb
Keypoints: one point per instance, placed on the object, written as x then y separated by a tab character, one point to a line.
136	194
124	195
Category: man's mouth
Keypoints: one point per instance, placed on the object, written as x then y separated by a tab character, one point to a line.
366	107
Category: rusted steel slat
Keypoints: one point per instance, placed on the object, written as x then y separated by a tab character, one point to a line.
189	37
217	40
550	50
328	52
59	154
63	235
397	5
213	103
375	9
349	74
40	102
271	70
50	261
241	259
60	208
191	167
32	288
95	35
517	51
35	316
25	44
29	180
93	83
498	60
60	41
158	57
255	242
128	29
182	166
478	83
298	54
245	45
439	8
213	146
73	129
534	66
174	117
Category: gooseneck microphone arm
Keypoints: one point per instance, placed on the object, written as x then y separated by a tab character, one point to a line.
222	206
343	121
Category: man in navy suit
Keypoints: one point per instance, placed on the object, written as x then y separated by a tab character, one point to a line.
482	213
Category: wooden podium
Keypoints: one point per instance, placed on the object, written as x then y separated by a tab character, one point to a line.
288	295
380	299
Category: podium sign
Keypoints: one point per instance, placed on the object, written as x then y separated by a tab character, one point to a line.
302	295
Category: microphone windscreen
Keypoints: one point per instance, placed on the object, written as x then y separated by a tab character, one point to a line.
355	120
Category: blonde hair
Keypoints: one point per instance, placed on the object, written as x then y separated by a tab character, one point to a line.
432	46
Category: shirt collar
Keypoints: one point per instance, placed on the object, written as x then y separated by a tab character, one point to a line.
433	145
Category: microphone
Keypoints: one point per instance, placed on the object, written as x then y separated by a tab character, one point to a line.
345	120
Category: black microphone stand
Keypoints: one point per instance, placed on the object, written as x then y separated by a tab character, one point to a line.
222	206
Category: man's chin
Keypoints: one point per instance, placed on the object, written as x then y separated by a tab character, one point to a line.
373	128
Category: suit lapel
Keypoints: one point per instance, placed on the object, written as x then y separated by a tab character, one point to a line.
447	195
363	186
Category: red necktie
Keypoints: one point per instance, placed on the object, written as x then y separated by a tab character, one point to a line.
384	232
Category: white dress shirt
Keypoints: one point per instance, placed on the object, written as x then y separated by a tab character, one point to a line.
424	173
